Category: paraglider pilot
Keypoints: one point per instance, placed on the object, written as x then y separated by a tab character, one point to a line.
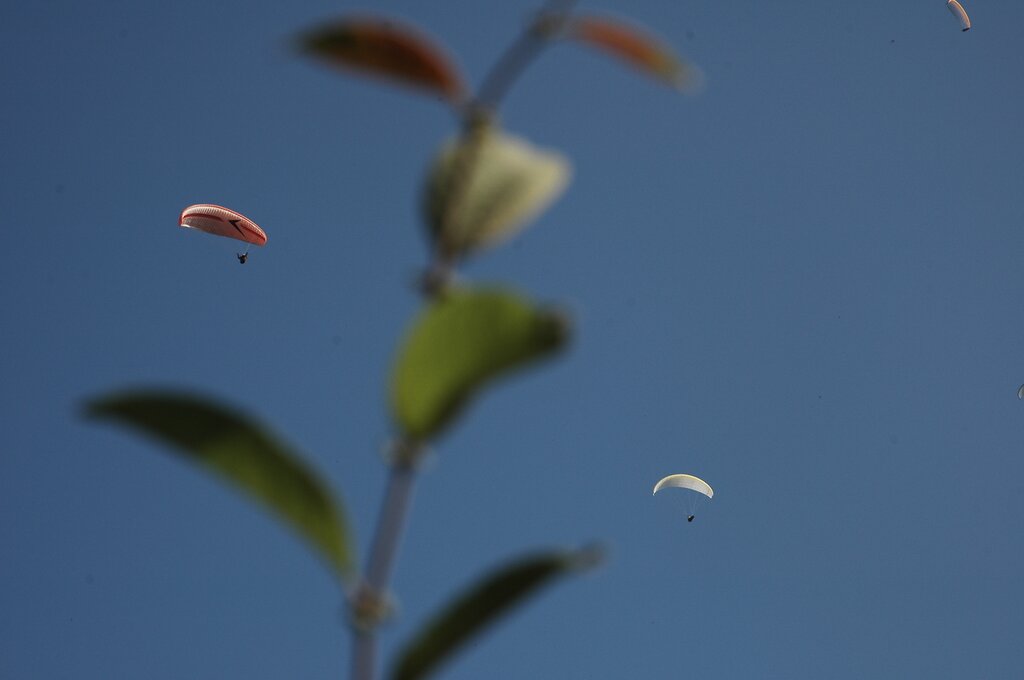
686	482
221	221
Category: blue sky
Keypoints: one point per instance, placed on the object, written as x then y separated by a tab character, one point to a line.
802	285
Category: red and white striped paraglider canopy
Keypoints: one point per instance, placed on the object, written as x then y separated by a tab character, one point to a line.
221	221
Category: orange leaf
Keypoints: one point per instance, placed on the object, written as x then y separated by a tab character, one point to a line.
387	49
636	48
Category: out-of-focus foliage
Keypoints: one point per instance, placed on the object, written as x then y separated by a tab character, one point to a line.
471	612
637	48
388	49
460	342
485	186
243	453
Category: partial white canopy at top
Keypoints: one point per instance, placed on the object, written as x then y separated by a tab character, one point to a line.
958	11
685	482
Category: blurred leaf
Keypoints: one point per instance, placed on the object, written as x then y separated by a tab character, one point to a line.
485	187
460	342
243	453
471	612
387	49
636	48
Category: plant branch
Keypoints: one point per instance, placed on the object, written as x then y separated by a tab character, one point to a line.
548	22
370	603
389	530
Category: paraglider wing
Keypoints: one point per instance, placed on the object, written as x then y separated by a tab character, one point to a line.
685	482
957	10
1020	392
221	221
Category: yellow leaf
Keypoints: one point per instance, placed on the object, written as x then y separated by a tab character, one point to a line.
484	188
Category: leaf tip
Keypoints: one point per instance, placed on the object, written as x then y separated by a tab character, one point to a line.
88	408
385	48
589	556
638	48
99	407
556	327
689	79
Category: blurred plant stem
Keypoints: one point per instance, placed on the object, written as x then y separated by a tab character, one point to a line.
546	25
370	603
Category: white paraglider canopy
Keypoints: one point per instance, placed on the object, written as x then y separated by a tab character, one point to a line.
961	15
685	482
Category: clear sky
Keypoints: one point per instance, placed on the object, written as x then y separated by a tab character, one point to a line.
803	285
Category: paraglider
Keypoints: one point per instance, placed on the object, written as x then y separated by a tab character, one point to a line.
957	10
690	482
221	221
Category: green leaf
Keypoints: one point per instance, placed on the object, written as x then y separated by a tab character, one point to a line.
475	609
387	49
486	186
460	342
637	48
240	451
